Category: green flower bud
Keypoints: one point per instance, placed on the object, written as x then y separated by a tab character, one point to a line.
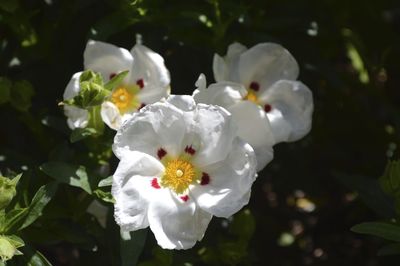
7	190
7	250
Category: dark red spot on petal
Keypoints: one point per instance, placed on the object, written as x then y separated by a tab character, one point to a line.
254	86
161	153
112	75
190	150
141	106
140	83
185	198
205	179
267	108
154	183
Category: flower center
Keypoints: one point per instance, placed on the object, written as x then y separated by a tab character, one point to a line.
125	98
178	175
252	97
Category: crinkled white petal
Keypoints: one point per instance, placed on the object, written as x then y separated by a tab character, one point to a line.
132	189
224	94
267	63
292	107
264	155
76	117
226	69
183	102
201	82
176	224
159	125
106	58
148	95
211	133
149	66
230	181
73	87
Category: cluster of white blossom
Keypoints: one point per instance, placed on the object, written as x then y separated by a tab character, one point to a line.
184	159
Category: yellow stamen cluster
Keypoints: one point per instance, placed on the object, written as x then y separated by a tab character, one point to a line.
252	97
178	175
125	98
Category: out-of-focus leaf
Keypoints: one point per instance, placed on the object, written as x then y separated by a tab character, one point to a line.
106	182
384	230
390	180
34	257
39	201
104	196
72	175
5	90
243	224
81	133
95	120
131	246
21	95
391	249
9	5
370	192
162	257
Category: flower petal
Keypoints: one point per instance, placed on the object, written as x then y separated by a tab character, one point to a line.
159	125
76	117
213	132
292	104
224	94
73	87
150	67
132	189
111	115
106	58
267	63
230	182
183	102
176	224
226	69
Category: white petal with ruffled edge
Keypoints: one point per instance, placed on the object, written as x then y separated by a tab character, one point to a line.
292	107
107	59
226	69
230	181
176	224
267	63
132	189
160	125
110	115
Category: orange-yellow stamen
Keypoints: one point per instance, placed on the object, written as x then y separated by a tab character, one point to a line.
252	97
178	175
125	99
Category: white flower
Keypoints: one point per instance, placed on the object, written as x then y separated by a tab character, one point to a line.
180	164
258	86
147	82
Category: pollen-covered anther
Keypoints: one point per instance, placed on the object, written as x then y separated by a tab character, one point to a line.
178	175
190	150
161	153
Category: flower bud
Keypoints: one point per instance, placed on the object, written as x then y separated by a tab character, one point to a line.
7	190
7	250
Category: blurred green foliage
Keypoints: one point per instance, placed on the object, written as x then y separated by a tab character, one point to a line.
311	194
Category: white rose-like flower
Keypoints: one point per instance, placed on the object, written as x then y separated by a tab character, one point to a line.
180	164
147	82
258	86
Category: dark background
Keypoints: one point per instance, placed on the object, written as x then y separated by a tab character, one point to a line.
356	119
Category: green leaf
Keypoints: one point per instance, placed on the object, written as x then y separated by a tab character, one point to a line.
5	90
390	180
39	201
131	246
82	133
370	192
243	224
34	258
115	81
104	196
391	249
13	220
91	76
72	175
21	95
384	230
7	190
106	182
9	5
7	249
